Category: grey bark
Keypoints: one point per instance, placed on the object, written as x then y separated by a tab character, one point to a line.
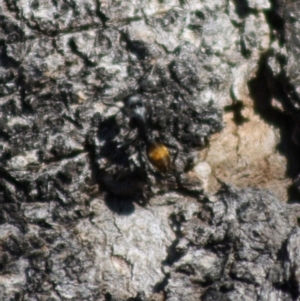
83	214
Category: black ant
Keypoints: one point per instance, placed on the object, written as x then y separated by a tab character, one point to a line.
122	166
158	154
130	156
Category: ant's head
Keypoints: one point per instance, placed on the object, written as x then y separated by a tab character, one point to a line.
136	108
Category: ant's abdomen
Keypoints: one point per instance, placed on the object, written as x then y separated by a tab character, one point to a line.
159	156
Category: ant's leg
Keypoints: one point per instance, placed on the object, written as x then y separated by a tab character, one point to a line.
176	149
141	156
175	156
111	104
145	75
126	144
112	108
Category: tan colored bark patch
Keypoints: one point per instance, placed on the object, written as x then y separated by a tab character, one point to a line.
246	156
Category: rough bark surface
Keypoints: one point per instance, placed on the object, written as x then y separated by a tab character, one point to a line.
83	213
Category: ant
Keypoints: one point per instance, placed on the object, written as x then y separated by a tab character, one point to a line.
158	154
130	156
123	168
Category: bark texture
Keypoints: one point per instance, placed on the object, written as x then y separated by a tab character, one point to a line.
83	213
